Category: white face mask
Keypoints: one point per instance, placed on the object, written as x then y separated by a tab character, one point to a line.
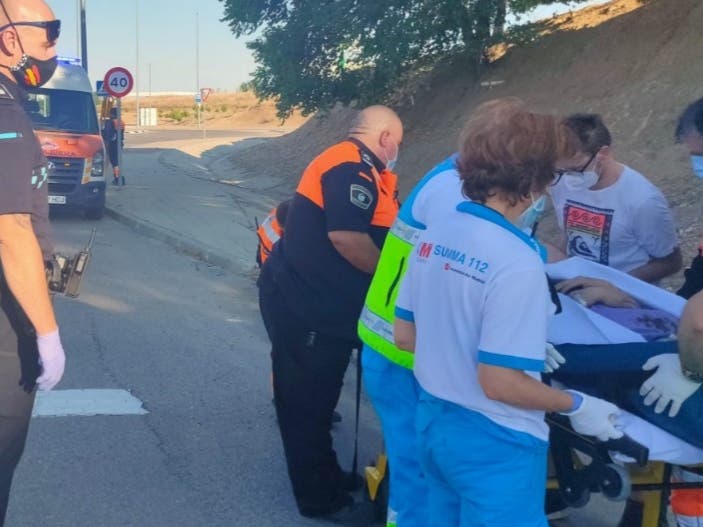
392	162
528	219
697	164
580	180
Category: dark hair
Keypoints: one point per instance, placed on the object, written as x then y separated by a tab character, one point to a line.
508	150
590	131
691	120
282	212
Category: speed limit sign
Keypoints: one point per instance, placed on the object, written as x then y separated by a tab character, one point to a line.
118	82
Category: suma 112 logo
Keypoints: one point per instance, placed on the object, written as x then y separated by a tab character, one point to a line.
427	250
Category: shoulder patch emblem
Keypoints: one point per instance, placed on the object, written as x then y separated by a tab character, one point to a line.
360	196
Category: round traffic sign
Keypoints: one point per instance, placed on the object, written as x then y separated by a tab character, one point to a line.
118	82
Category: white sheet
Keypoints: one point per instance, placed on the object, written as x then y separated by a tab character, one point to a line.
662	445
579	325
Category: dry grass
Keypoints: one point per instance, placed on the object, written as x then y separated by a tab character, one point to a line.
221	110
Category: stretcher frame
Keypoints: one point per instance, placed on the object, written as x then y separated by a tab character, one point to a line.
576	481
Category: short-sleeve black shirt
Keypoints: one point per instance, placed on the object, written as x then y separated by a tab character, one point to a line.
341	190
23	168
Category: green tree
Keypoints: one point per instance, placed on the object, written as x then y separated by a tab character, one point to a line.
312	54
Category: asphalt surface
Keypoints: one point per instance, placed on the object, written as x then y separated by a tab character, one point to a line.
158	135
185	338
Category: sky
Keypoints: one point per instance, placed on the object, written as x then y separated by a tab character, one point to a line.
167	42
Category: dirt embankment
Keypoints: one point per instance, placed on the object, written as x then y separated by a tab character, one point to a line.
638	64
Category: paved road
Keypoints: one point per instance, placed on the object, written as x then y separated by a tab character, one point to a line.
184	338
160	136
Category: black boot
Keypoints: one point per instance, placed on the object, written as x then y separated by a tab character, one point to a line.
123	181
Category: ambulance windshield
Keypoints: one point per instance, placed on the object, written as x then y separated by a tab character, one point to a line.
62	110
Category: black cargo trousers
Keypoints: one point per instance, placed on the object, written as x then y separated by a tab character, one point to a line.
308	373
19	369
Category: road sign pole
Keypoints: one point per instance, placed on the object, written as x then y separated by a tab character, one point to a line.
118	129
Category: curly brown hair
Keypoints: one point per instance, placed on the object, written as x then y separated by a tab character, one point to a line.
506	149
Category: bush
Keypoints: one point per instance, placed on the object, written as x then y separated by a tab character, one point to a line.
177	114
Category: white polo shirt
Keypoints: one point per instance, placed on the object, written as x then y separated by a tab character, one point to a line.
477	292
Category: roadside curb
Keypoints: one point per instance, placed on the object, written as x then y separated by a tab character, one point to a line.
178	242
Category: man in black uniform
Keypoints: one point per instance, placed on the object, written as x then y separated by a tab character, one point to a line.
31	354
312	289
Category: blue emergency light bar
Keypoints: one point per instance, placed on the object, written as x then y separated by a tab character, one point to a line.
70	61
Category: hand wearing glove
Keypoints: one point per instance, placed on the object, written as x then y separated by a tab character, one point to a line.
667	384
52	360
553	360
594	417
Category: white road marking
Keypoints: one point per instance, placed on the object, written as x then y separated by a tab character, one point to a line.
87	403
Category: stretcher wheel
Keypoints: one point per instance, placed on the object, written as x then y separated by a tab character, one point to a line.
616	484
576	498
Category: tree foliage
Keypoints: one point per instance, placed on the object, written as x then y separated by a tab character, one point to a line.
311	54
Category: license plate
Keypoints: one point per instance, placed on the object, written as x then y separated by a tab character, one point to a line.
57	200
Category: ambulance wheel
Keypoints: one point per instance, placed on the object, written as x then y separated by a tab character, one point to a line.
616	484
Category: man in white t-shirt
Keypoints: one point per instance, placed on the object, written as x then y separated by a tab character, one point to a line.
610	213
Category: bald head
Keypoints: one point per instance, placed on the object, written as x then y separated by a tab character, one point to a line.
381	131
15	41
25	11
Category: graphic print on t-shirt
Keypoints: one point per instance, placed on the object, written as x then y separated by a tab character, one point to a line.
588	231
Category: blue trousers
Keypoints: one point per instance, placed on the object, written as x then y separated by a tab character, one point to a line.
614	372
394	394
480	474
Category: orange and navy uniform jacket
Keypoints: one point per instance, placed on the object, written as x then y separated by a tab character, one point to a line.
269	232
346	188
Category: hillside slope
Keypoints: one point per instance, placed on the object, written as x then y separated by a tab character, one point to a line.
638	64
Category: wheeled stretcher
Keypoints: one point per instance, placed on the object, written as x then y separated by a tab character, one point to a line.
605	360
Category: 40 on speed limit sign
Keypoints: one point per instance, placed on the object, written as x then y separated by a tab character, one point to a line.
118	82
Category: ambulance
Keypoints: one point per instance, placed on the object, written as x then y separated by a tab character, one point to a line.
66	122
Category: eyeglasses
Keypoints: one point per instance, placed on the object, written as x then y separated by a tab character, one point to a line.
52	27
559	172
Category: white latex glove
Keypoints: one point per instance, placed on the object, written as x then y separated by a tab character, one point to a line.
553	360
667	384
595	417
52	360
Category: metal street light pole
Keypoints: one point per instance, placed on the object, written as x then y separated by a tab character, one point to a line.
78	29
136	73
197	63
84	37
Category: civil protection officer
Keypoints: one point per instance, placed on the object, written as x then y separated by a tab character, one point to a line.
30	347
474	306
271	230
311	292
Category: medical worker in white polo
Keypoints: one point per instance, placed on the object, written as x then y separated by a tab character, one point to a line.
474	307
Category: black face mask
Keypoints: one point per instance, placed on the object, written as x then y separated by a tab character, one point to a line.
32	73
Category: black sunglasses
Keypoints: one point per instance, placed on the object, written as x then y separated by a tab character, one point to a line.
559	172
52	27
